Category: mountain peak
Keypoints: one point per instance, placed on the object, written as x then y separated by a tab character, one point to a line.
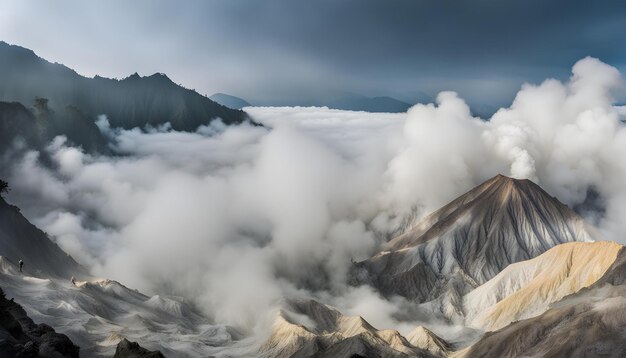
471	239
134	76
502	178
161	77
505	182
509	188
425	339
498	196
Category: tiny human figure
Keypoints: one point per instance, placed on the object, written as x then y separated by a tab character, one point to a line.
21	265
73	281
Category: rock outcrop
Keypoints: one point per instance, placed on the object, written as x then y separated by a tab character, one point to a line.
21	337
127	349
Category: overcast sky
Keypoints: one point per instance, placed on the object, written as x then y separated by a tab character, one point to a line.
283	50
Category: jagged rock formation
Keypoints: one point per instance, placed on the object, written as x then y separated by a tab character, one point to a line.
21	337
589	323
525	289
21	240
127	349
331	334
131	102
469	241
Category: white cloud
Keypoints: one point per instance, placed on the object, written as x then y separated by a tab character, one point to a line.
239	217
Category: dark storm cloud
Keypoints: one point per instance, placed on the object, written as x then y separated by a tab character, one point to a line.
279	49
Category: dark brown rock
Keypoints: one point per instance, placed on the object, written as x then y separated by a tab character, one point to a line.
128	349
21	337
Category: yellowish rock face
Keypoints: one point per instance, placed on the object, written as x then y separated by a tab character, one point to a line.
525	289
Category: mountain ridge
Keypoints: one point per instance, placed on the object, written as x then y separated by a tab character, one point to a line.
134	101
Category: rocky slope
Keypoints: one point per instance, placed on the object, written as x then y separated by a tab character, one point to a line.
568	302
589	323
469	241
566	299
95	313
98	314
425	339
34	128
20	240
526	289
19	124
21	337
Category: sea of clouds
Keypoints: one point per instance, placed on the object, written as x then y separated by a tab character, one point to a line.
237	218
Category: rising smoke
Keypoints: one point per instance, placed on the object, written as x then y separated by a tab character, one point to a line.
237	218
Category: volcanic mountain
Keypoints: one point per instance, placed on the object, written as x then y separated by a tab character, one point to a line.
469	241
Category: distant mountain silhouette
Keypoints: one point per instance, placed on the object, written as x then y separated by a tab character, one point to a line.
370	104
131	102
343	100
229	101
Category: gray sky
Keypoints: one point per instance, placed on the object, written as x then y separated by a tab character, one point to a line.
282	50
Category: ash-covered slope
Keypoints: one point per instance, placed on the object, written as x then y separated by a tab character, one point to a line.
470	240
589	323
328	333
21	240
98	314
